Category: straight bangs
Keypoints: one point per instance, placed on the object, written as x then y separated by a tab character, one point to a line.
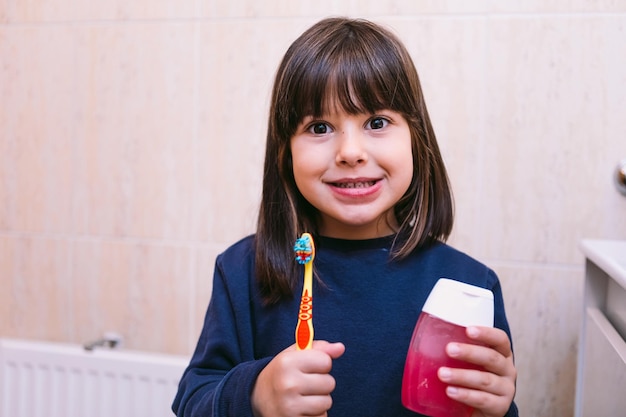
354	73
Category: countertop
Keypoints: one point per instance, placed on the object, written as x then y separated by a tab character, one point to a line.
609	255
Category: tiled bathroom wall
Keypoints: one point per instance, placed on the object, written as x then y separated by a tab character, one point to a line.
132	137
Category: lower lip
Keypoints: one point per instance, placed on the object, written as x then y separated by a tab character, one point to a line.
357	192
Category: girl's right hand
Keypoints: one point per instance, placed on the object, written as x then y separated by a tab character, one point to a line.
297	382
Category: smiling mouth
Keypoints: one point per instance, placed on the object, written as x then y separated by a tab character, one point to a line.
359	184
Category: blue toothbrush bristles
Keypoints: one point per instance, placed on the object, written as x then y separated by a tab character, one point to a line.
303	250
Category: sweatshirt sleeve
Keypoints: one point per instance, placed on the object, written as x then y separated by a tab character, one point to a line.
219	379
501	322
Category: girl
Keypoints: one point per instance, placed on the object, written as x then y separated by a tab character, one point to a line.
352	158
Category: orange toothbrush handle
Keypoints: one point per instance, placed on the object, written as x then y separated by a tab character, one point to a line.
304	328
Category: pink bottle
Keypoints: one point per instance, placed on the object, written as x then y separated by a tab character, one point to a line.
449	309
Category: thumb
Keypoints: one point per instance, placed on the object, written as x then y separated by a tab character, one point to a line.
334	350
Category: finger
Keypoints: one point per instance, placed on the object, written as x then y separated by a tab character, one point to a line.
482	390
486	357
472	379
317	384
316	405
491	336
334	350
319	359
488	403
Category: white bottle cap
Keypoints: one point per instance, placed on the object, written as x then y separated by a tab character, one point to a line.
460	303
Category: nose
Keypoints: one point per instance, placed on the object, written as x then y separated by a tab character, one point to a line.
351	148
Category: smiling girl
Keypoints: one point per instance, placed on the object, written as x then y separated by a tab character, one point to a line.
352	158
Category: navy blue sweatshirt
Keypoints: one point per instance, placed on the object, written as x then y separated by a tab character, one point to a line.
366	302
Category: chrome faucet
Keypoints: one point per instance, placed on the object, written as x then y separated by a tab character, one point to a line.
108	340
620	177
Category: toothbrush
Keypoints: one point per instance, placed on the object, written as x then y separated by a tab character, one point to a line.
305	252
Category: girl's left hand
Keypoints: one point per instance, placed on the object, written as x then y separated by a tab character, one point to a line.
491	391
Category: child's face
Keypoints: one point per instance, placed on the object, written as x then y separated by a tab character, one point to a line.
353	169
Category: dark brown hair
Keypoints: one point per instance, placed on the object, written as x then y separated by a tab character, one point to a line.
363	68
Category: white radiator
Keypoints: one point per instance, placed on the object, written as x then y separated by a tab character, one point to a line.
56	380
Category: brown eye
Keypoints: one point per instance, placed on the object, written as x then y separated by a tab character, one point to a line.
319	128
377	123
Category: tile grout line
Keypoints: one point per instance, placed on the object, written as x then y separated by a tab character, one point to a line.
193	258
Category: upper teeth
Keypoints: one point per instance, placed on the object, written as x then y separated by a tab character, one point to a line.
356	184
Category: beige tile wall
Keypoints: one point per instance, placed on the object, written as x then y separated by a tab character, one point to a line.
131	145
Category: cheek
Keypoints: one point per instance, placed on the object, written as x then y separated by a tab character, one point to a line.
302	170
403	165
401	152
296	162
299	166
404	174
308	161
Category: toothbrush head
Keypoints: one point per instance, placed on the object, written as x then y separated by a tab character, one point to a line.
304	249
